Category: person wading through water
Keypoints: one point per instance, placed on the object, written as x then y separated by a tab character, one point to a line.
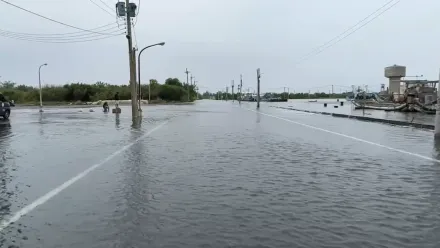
106	107
117	99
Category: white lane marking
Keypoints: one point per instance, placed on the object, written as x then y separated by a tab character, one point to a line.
347	136
43	199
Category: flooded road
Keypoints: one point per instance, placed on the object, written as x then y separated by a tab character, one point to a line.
215	174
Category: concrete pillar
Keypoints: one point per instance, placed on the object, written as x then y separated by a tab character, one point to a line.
437	113
394	86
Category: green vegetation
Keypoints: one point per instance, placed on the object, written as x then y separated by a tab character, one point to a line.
322	95
171	90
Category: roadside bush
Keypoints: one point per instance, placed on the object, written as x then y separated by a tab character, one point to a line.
172	90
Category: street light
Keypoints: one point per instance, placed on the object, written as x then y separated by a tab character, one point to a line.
139	74
39	82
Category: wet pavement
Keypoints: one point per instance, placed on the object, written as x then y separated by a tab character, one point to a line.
215	174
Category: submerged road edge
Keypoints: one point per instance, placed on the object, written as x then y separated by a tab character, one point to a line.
345	136
43	199
365	118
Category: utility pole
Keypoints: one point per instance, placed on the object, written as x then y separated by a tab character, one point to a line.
138	97
241	87
131	12
187	83
233	91
437	114
332	90
226	96
238	93
258	87
194	87
191	85
284	91
196	90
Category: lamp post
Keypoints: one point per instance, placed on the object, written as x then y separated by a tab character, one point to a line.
39	82
139	74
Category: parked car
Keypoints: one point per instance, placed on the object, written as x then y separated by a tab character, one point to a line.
5	107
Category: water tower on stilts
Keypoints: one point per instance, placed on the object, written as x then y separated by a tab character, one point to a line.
395	74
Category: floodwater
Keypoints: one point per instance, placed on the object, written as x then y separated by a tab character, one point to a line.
215	174
348	109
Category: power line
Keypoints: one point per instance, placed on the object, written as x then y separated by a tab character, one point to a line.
64	41
110	8
106	11
63	34
50	19
138	9
338	38
110	30
347	30
62	38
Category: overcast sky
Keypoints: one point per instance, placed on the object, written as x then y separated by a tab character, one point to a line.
217	40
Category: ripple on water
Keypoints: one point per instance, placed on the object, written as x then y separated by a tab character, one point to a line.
283	193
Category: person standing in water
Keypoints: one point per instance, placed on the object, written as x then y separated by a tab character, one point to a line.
117	99
105	106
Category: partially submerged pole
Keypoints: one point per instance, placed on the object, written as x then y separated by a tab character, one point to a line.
258	88
187	83
241	86
233	99
226	94
132	64
437	113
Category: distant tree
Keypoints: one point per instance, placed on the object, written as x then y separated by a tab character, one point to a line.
171	92
24	88
153	83
7	85
173	81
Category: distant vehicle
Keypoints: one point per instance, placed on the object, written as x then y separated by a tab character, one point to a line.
5	107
